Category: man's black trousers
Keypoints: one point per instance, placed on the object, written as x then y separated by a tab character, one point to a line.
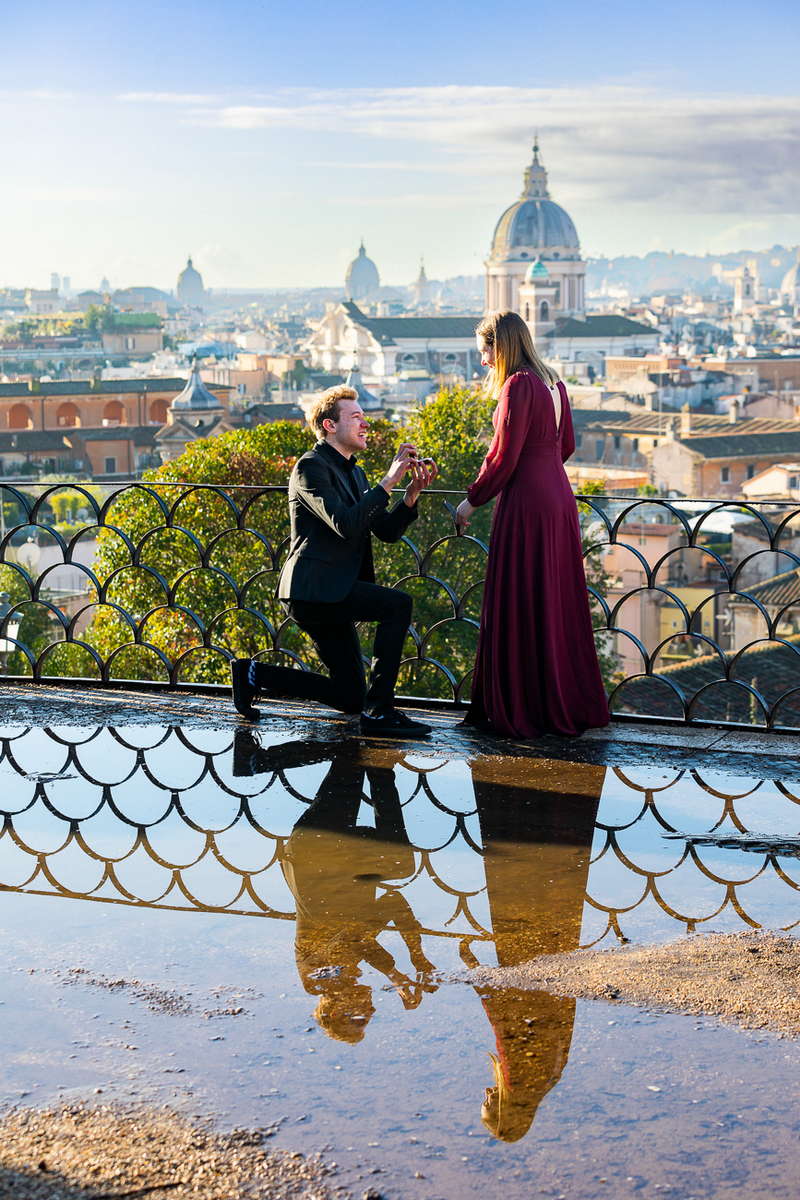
333	629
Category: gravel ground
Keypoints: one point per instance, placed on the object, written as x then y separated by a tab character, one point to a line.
86	1153
745	979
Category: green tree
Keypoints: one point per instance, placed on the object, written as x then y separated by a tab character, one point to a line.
597	580
98	317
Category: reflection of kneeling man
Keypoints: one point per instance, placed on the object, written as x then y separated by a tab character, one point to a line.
329	580
339	873
346	880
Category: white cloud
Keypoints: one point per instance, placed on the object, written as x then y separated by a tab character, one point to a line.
167	98
717	153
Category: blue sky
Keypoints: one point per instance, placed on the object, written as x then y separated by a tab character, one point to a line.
266	139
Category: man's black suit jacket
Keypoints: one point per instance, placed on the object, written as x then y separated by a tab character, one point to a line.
333	512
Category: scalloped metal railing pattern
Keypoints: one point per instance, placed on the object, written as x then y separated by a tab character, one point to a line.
708	664
161	817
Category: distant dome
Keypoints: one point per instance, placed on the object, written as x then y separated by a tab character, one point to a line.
535	222
189	289
537	270
362	278
195	396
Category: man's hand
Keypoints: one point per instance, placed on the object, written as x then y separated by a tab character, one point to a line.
405	456
464	515
423	473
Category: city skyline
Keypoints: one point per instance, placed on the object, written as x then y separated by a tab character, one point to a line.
137	143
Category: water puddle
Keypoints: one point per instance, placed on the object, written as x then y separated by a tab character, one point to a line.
278	933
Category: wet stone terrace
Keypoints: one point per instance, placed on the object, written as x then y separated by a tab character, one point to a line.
274	926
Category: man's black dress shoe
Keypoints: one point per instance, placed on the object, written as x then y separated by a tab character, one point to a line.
243	690
246	753
392	723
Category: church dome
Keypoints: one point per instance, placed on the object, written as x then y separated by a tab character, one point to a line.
190	288
535	222
195	396
362	278
537	270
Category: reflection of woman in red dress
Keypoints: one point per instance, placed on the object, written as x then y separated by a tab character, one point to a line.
537	834
536	669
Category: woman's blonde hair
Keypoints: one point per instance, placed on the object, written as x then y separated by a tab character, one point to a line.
513	348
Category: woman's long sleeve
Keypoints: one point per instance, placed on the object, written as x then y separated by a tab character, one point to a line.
511	430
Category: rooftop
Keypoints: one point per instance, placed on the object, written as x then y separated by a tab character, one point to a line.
387	330
25	440
90	387
602	325
744	443
645	421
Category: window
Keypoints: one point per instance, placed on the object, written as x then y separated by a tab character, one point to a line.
544	311
578	439
724	474
20	417
635	443
111	466
157	413
751	470
114	413
792	481
68	414
599	447
617	441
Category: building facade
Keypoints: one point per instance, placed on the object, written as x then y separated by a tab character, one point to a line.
388	347
101	429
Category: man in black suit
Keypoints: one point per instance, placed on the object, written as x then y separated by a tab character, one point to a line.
328	581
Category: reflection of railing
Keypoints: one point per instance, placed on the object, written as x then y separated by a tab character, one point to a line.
162	818
697	603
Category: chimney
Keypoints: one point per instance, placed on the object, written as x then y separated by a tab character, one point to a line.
686	422
733	410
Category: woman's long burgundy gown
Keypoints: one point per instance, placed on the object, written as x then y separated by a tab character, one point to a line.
536	669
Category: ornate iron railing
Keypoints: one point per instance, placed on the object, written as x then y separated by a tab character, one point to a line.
696	603
201	820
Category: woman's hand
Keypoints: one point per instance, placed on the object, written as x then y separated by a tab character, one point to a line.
464	514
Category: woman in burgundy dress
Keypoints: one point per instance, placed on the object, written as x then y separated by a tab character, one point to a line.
536	669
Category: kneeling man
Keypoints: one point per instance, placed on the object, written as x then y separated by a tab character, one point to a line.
328	581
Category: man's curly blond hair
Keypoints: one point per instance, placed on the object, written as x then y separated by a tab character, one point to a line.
326	407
